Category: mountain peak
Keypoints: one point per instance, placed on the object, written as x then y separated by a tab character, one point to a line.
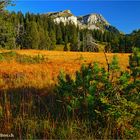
67	11
93	18
90	21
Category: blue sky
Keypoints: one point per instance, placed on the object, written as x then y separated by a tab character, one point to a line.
125	15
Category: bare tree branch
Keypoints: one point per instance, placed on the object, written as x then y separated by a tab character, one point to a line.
108	66
3	4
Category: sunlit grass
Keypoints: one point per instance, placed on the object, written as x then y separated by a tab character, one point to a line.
24	64
27	93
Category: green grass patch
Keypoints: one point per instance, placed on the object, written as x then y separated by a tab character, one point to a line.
25	59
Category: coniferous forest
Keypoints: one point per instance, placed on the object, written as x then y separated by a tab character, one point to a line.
94	102
35	31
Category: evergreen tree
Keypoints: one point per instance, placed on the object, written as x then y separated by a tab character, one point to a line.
134	63
108	47
66	42
53	40
42	38
20	37
74	38
63	30
34	36
122	44
31	37
48	40
128	44
7	34
65	47
59	38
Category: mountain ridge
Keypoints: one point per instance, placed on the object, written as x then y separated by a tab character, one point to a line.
90	21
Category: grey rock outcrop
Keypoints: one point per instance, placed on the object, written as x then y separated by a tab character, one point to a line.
90	21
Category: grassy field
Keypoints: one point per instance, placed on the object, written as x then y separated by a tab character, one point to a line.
35	103
48	70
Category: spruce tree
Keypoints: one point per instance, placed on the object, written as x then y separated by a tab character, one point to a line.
34	35
7	33
53	40
135	63
66	42
42	38
59	34
31	37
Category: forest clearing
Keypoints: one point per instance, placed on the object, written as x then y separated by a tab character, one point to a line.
45	72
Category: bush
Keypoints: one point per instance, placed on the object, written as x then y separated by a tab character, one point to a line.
94	97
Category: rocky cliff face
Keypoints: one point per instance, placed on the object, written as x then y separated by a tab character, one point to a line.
91	21
65	20
63	16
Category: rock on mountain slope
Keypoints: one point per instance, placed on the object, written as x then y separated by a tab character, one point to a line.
91	21
63	16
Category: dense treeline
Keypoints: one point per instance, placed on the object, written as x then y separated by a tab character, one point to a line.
34	31
30	31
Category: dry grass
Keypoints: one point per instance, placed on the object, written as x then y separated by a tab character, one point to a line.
28	107
45	73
